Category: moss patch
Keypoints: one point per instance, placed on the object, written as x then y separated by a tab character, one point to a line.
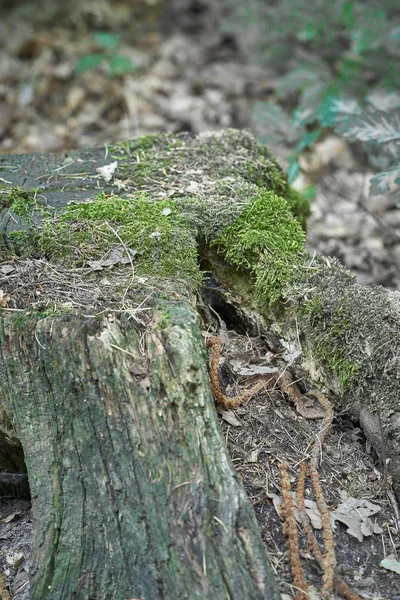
21	201
267	241
204	184
25	213
299	205
176	161
146	159
330	331
16	243
160	242
338	317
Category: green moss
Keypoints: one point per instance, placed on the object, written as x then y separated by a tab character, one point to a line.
264	172
330	327
333	357
268	174
150	144
141	145
163	141
146	171
250	161
21	201
267	241
23	318
299	205
336	362
54	310
145	159
21	242
4	249
161	242
216	161
207	183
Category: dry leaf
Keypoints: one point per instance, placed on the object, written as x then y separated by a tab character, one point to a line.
107	172
254	456
10	517
249	369
117	256
15	559
6	269
355	513
4	299
391	564
293	351
310	508
230	417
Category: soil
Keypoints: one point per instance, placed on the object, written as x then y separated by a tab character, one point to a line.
195	71
266	432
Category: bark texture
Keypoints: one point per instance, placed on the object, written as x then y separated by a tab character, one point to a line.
133	493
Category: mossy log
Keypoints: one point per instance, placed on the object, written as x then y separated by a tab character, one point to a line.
103	372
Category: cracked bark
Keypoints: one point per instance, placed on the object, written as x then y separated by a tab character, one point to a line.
133	493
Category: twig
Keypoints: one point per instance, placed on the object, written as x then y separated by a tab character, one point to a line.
128	255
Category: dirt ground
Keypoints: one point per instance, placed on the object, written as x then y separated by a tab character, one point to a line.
268	431
194	71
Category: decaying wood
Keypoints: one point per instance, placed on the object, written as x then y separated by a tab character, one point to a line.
133	492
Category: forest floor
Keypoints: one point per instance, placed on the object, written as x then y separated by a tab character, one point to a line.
193	71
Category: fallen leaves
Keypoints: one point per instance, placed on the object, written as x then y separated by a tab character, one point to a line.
4	299
355	513
229	416
7	269
117	256
391	564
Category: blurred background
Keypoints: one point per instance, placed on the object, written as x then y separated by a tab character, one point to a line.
317	82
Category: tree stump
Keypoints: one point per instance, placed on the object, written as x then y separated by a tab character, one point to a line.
103	368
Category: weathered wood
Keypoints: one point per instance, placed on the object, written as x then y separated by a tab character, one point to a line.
133	492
